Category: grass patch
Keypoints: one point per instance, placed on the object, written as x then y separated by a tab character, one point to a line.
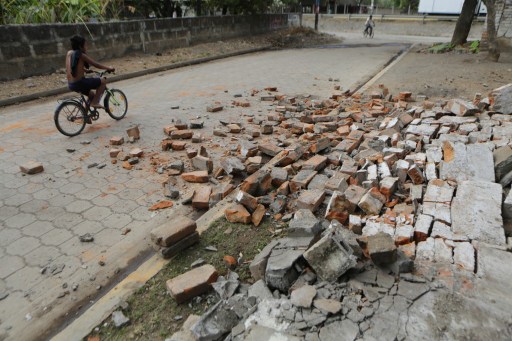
469	47
441	48
152	311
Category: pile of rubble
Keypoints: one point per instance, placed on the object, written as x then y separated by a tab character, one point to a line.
373	187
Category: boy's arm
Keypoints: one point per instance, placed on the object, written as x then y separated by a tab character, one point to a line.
96	64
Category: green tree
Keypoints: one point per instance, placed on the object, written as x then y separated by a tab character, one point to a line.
404	4
51	11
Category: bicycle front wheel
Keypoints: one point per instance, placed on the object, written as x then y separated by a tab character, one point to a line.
116	104
69	118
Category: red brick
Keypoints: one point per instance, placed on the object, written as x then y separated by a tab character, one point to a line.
166	145
201	198
249	202
311	199
169	129
284	189
114	151
136	152
117	140
133	132
317	163
269	149
172	231
182	134
191	153
258	214
214	108
31	167
320	145
234	128
257	184
301	180
178	145
192	283
196	177
339	208
237	214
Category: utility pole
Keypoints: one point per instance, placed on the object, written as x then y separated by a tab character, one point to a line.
317	10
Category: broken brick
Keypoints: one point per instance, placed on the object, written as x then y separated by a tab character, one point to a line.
258	214
117	140
31	167
311	199
196	177
173	231
201	198
192	283
237	214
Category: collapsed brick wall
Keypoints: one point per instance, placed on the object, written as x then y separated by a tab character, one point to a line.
28	50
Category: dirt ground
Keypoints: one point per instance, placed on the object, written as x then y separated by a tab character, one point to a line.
289	38
447	75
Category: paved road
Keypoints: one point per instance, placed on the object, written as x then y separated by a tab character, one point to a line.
42	216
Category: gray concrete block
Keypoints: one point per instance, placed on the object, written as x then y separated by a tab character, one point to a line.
476	212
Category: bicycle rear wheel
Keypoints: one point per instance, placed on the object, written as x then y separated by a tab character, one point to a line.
116	104
69	118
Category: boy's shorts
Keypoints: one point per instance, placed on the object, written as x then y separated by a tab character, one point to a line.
85	85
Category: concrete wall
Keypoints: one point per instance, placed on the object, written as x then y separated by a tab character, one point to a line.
27	50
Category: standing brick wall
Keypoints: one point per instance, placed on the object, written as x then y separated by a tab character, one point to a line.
28	50
504	18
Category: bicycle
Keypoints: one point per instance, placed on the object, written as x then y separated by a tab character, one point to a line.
72	114
368	32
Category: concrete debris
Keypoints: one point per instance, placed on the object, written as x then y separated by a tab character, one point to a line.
380	196
119	319
330	257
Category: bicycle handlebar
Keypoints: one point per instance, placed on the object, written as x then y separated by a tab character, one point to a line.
99	73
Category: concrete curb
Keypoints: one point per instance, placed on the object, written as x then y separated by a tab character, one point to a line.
392	62
59	91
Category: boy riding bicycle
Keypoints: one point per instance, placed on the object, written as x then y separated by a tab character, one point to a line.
77	64
369	25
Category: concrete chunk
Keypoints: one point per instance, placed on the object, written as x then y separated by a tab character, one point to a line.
464	256
304	223
303	296
502	99
381	248
476	212
330	258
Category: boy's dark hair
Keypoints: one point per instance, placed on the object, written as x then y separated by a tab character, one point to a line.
370	16
77	42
